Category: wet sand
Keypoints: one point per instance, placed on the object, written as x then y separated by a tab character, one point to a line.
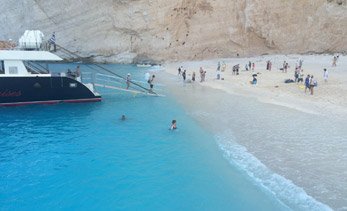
295	135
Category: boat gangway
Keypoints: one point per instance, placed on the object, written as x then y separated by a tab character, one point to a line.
111	80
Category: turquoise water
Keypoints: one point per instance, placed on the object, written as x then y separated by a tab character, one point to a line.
81	156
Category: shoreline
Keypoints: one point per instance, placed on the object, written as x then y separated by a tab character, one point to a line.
302	161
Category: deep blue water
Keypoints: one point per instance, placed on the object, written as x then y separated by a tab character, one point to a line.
82	156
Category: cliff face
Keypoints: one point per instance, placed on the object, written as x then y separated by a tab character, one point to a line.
158	30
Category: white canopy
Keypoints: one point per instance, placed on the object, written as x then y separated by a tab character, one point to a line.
28	56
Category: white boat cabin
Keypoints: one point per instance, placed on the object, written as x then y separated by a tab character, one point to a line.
17	63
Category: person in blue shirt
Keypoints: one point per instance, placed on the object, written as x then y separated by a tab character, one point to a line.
307	83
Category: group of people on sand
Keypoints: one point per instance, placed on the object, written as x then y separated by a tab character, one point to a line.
310	83
183	74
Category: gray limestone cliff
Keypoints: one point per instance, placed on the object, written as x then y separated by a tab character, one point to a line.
160	30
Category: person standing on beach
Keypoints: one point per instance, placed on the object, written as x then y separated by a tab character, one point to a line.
179	71
249	65
224	67
253	66
203	76
312	84
201	71
334	61
307	83
193	77
184	75
325	75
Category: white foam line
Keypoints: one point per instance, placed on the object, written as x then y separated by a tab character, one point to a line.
283	189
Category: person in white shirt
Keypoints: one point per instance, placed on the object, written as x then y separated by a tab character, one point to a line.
325	75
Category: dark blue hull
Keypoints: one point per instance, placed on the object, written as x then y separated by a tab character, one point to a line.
45	90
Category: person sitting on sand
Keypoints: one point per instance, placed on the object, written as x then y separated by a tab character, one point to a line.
173	125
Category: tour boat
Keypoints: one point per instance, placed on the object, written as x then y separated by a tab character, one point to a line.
24	80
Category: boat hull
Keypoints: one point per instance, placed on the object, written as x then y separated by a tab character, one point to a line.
16	91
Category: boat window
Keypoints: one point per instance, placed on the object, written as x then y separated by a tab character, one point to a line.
2	67
13	70
73	85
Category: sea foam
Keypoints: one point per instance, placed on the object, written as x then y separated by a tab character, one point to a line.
281	188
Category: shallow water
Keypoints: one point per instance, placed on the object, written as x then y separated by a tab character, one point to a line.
293	154
81	156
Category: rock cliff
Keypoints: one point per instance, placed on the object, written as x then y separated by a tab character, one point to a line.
159	30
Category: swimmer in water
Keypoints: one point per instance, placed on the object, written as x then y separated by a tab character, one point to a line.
123	117
173	125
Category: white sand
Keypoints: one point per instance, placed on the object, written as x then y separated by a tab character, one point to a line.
303	139
329	98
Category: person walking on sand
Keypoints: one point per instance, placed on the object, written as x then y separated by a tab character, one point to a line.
184	75
307	83
325	75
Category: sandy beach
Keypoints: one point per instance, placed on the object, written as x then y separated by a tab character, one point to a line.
285	132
